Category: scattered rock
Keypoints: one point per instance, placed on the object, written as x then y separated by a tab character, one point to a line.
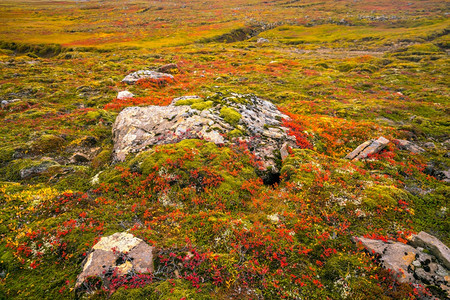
429	145
169	69
120	254
435	170
239	118
36	170
4	104
368	148
434	245
124	95
411	264
141	74
79	158
410	146
262	41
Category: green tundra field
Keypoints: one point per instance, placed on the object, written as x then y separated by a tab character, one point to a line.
222	220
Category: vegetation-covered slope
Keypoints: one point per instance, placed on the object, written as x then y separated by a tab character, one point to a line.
345	72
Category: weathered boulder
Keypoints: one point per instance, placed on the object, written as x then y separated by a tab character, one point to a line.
124	95
410	146
368	148
409	263
239	118
433	244
144	74
119	254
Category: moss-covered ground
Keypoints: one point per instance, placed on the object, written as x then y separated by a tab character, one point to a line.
344	71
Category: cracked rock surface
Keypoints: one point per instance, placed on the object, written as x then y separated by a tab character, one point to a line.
423	261
119	254
259	125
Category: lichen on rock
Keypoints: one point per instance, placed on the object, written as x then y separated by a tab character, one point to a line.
218	119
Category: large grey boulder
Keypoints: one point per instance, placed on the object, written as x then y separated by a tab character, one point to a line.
119	254
138	128
144	74
409	263
368	148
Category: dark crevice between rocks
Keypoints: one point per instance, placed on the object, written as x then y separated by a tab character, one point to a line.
271	179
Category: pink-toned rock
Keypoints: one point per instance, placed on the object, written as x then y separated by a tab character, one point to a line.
121	254
368	148
409	263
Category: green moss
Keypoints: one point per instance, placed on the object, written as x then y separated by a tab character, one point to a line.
230	115
189	101
380	195
235	133
176	289
202	105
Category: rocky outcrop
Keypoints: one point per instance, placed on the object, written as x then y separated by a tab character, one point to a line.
119	254
368	148
238	118
410	263
144	74
409	146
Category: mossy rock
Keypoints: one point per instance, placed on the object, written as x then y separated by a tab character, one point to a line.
102	159
47	144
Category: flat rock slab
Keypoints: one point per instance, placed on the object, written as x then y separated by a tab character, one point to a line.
121	254
368	148
144	74
138	128
409	263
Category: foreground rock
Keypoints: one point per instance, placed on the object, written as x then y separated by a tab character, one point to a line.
239	118
432	244
410	263
119	254
368	148
146	74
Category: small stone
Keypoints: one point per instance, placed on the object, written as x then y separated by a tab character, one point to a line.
142	74
124	95
169	69
4	104
79	158
429	145
368	148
